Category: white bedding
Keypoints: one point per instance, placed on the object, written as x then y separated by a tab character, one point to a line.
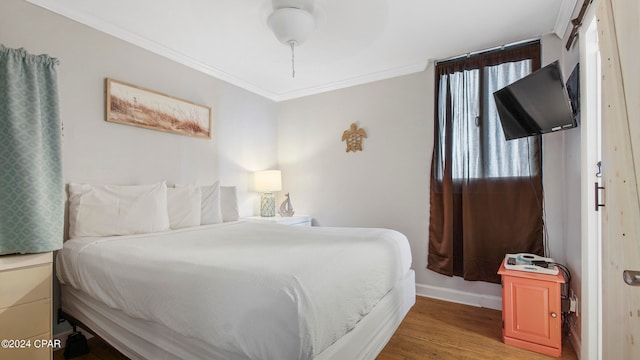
248	290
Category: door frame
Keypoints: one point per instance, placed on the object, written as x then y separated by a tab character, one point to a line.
589	343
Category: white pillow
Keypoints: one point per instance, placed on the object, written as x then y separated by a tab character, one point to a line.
210	206
105	210
183	206
229	203
211	212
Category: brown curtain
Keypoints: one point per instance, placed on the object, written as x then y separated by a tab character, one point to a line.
479	214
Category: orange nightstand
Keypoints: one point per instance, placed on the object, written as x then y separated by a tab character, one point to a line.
531	310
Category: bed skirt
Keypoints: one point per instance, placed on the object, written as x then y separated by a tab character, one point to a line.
143	339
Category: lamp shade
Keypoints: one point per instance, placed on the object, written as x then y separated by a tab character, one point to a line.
268	180
291	25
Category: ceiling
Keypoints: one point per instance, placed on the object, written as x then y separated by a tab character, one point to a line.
354	42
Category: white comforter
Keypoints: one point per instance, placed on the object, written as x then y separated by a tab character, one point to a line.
249	290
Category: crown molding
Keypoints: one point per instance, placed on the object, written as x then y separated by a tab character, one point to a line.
67	11
113	30
358	80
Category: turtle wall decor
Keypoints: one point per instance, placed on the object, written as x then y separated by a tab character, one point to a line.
354	137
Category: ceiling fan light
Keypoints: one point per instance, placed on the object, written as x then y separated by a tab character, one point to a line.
291	25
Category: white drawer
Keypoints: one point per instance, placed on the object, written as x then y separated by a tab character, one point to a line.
24	285
26	320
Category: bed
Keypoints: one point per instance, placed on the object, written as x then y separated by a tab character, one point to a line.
240	290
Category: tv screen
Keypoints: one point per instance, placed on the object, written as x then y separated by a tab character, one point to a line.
536	104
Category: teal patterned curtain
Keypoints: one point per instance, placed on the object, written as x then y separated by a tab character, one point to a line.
31	185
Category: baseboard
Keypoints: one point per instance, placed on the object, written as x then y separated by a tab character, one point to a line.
461	297
575	341
65	334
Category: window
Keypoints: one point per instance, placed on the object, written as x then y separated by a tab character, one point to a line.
486	192
478	148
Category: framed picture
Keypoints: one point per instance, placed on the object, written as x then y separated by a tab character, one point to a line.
132	105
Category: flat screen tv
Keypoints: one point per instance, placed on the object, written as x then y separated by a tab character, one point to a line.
536	104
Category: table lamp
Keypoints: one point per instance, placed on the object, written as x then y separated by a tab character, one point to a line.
266	182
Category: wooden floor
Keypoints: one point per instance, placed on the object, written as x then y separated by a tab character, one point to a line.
436	329
433	329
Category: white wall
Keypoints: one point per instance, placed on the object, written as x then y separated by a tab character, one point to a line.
244	124
562	180
573	191
560	150
387	184
553	163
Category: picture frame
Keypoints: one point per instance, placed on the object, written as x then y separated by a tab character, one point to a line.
136	106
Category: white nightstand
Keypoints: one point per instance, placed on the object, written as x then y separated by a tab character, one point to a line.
25	304
295	220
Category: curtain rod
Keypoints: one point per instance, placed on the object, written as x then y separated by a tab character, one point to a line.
490	50
577	22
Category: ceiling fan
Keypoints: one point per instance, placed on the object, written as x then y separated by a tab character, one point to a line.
292	21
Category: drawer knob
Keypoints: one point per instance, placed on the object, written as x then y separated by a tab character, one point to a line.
554	315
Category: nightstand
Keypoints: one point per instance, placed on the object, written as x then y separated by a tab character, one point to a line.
531	312
295	220
25	304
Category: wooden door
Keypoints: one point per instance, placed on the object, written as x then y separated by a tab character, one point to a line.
619	41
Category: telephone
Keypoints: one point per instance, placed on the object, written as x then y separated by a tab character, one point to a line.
530	262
